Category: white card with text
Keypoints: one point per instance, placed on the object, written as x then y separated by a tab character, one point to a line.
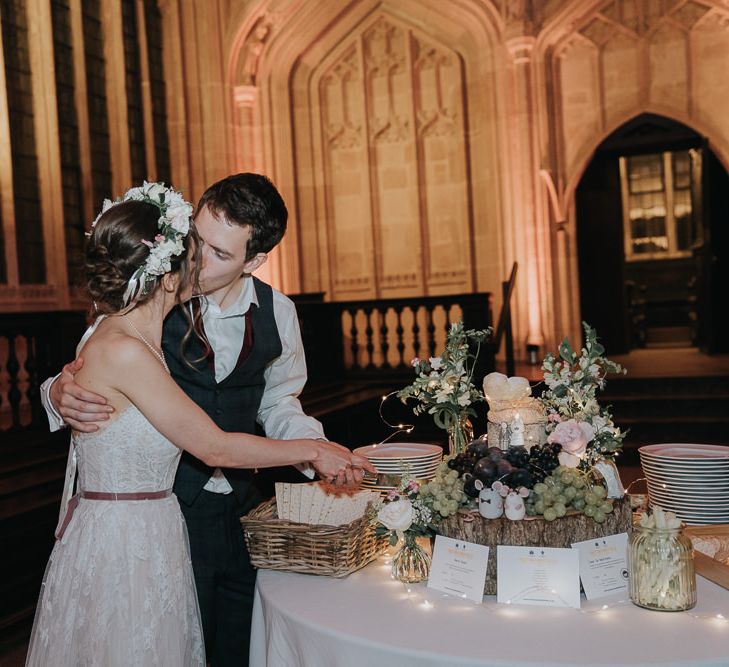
538	575
459	568
603	565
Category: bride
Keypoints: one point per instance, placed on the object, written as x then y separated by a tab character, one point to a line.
119	589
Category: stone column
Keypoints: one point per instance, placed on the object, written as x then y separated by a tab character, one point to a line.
529	223
172	58
248	157
247	129
45	105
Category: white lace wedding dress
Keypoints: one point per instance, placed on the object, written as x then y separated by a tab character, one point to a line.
119	587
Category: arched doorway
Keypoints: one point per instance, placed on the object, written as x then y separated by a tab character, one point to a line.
652	219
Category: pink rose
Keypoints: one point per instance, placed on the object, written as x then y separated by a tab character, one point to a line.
413	487
573	436
415	362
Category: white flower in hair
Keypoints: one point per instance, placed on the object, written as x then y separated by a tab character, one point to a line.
155	264
104	208
173	224
154	190
180	214
137	194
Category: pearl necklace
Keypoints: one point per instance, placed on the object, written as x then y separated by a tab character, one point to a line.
159	355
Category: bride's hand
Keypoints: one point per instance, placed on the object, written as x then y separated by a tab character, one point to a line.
353	476
336	463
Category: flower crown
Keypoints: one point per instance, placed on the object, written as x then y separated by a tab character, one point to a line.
174	225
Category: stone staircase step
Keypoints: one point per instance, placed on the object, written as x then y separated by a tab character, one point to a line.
665	386
677	406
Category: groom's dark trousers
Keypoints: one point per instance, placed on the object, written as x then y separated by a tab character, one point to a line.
224	577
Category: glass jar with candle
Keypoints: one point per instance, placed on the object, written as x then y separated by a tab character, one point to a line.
661	566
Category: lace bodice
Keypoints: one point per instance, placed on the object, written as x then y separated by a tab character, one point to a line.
128	455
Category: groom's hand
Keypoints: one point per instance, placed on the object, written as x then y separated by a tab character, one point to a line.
78	407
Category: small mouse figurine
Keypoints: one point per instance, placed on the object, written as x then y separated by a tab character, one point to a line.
514	507
490	501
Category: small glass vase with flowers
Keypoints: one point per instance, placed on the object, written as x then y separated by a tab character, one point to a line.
405	517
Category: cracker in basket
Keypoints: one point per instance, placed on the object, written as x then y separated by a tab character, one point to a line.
326	506
318	498
295	503
306	495
283	500
342	511
346	509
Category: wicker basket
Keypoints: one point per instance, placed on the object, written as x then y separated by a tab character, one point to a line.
333	551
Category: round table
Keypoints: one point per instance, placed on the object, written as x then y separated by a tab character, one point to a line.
371	620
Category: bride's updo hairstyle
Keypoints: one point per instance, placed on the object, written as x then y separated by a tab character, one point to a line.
119	244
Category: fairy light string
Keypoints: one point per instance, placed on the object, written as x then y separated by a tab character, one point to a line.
399	428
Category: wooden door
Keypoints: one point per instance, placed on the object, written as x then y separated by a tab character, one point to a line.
712	254
600	253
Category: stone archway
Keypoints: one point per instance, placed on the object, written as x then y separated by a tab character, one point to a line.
543	87
611	63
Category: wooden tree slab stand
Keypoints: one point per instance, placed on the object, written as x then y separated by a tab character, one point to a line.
533	532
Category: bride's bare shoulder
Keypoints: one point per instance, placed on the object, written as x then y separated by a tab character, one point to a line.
113	348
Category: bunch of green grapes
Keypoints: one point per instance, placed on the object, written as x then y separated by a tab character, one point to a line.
568	488
444	493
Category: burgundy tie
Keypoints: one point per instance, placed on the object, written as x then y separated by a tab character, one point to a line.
247	346
247	337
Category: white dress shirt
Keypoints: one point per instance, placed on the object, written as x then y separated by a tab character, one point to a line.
280	413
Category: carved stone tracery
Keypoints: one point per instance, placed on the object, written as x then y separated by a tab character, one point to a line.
253	48
341	130
412	210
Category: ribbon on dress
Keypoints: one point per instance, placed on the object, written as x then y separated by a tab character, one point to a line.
108	496
68	499
67	496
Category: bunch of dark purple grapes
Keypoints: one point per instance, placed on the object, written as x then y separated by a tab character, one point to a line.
489	464
543	459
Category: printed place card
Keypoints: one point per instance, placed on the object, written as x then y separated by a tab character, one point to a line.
603	565
538	575
459	568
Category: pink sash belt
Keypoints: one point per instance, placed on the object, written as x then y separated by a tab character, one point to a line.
103	495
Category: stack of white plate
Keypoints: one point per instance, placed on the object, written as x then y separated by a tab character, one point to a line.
690	480
394	459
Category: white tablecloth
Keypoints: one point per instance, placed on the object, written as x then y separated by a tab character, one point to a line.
371	620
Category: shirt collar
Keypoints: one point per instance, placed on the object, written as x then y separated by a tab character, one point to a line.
240	306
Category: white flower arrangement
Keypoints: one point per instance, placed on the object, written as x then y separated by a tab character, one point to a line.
576	421
444	387
173	224
402	514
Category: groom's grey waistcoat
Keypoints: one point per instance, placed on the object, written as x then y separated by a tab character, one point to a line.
232	403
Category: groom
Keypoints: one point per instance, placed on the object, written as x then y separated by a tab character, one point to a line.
252	374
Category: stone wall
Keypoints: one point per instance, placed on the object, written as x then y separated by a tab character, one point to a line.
422	146
425	146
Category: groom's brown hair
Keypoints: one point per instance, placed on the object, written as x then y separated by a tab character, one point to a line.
249	200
